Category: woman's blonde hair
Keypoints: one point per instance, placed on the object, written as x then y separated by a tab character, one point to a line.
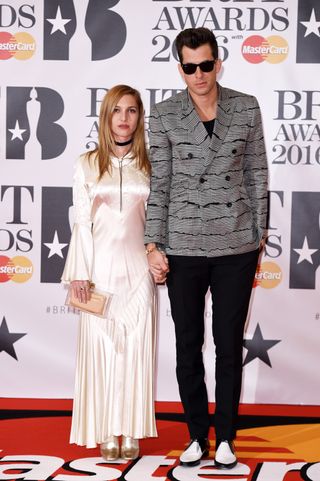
106	145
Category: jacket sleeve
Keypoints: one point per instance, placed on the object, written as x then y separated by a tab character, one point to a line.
80	254
256	170
161	162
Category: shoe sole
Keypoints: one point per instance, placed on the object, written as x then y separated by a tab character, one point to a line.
190	464
225	466
131	458
110	458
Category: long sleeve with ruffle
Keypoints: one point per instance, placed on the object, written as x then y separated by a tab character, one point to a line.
80	254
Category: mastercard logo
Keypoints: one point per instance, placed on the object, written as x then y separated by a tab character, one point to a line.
18	269
257	49
21	46
268	275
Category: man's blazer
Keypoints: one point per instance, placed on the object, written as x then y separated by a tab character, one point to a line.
208	195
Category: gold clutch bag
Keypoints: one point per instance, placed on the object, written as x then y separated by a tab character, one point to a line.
97	305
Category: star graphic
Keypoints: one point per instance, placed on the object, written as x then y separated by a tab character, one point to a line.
17	132
55	247
258	347
305	253
7	339
312	26
58	23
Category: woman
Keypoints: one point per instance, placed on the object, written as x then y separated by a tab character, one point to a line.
115	356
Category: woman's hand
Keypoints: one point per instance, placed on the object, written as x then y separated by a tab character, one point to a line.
158	265
81	290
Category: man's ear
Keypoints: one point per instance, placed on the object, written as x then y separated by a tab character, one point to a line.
218	65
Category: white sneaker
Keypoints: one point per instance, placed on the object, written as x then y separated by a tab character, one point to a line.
225	457
197	449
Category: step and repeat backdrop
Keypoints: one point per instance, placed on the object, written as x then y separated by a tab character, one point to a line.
57	60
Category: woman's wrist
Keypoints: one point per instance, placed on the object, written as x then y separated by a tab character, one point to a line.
151	247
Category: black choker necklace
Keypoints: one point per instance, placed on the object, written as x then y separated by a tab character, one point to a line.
123	144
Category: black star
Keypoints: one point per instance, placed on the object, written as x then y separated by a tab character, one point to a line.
7	339
258	347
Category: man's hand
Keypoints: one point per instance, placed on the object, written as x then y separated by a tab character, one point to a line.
158	264
262	244
81	290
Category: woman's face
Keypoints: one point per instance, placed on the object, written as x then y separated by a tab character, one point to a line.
125	118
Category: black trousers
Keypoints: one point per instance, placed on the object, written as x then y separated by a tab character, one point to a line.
230	280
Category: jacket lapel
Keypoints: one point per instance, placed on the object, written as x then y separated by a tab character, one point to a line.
191	122
225	110
197	132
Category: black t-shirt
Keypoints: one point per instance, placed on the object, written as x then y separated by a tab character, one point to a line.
209	125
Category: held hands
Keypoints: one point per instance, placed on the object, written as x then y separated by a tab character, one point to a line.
158	265
81	290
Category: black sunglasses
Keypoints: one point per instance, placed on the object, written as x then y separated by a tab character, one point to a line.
190	68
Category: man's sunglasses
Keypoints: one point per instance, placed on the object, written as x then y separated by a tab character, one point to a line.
190	68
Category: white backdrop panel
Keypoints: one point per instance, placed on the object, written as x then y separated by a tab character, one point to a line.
48	113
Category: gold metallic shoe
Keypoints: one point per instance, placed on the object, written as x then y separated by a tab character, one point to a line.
129	448
110	448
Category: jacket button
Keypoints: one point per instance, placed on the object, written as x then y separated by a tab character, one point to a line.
190	155
229	204
227	177
234	151
202	180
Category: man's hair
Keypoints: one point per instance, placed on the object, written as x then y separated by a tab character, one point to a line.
194	38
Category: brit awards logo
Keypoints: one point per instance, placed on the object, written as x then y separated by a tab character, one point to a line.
18	203
305	240
55	231
32	123
105	28
308	31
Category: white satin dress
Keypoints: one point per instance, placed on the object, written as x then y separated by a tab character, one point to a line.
114	390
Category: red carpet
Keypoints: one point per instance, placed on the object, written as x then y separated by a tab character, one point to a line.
274	443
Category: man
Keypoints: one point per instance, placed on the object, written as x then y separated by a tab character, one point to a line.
205	222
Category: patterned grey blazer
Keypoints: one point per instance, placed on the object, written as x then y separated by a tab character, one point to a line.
208	195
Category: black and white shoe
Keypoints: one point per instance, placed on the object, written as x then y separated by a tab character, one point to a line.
225	457
197	449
